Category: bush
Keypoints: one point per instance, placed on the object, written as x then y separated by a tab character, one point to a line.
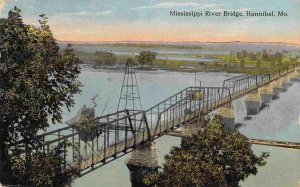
146	57
105	58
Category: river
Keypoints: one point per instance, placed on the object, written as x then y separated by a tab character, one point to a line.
279	121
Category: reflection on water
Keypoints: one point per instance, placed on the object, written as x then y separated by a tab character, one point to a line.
263	106
279	121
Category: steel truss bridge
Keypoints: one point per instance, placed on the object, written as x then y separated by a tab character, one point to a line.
108	137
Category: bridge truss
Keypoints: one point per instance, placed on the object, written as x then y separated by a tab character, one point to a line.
108	137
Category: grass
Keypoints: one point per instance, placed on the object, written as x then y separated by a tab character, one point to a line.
250	66
171	64
251	63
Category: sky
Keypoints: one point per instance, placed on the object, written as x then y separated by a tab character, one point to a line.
150	20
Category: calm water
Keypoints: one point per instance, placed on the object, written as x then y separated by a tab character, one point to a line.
195	55
280	121
153	86
131	50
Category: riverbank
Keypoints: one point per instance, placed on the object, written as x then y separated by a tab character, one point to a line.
181	57
193	63
187	68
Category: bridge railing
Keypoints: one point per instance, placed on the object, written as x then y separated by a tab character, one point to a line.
201	100
175	110
241	84
100	139
111	134
187	107
116	137
153	112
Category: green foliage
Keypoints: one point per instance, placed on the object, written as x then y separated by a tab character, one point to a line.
238	55
258	55
244	54
146	57
37	81
105	58
255	61
265	55
213	157
46	169
258	63
252	56
242	63
278	57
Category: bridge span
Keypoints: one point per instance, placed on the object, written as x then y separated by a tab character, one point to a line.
102	139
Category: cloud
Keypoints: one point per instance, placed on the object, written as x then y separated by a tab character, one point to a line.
86	13
168	5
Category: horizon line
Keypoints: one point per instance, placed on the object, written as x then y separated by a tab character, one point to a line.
158	41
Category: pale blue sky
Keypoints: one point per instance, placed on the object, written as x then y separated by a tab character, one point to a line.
149	20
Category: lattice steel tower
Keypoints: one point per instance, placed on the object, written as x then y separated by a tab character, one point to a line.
130	96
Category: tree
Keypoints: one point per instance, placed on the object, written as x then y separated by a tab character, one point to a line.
146	57
239	55
296	60
45	168
242	63
258	63
258	55
213	157
265	55
37	81
252	56
278	57
244	54
105	58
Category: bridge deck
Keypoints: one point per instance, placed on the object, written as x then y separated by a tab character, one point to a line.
121	131
131	142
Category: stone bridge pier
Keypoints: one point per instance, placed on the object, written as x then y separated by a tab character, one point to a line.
287	82
142	162
252	102
266	94
277	88
227	116
295	76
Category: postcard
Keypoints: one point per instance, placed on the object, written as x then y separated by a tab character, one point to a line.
150	93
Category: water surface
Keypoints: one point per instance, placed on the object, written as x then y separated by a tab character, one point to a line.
279	121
